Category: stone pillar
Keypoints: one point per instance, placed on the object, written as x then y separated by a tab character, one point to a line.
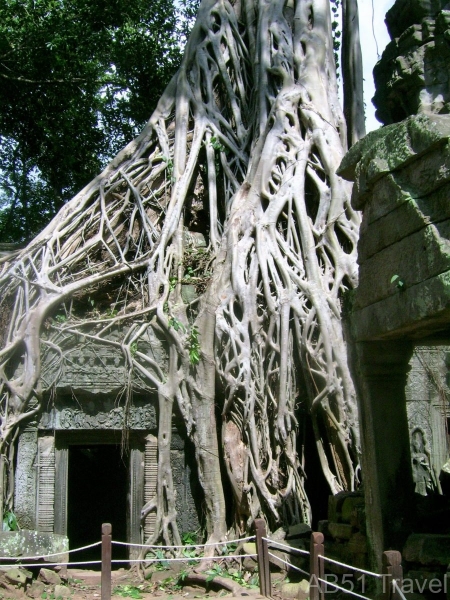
137	459
25	479
45	503
386	456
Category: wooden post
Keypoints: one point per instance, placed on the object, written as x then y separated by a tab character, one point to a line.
316	570
106	561
392	571
265	584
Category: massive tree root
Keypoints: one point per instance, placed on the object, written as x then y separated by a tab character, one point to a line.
243	147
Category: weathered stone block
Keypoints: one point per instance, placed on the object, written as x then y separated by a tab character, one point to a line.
33	543
298	590
299	530
36	589
428	549
322	527
350	504
278	559
405	13
49	577
357	544
15	575
341	531
390	148
62	591
249	548
417	309
414	259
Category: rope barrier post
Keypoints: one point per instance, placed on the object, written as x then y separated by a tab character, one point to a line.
392	572
265	584
316	567
106	561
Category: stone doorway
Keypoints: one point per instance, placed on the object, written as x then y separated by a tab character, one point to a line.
96	482
98	476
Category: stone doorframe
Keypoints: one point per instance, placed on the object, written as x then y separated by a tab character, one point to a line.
64	439
402	185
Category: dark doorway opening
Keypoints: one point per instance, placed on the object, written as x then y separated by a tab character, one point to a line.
97	493
316	486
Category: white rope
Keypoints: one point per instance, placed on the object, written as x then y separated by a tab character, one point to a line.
336	562
182	559
247	539
65	564
290	548
48	555
289	564
398	589
343	589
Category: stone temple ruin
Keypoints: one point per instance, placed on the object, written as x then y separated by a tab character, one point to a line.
401	177
75	450
398	318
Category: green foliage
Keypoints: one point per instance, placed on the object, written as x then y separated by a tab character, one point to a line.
399	284
79	80
215	143
215	571
176	324
335	25
128	591
162	565
10	521
194	345
189	538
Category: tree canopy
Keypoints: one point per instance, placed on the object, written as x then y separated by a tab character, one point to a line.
79	81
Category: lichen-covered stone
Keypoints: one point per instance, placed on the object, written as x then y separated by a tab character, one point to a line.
62	591
14	575
298	590
36	589
427	549
412	75
341	531
49	577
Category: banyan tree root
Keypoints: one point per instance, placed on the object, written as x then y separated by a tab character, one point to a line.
242	152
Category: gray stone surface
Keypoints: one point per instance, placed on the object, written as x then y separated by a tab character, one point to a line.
33	543
412	75
62	591
97	368
48	576
427	392
428	549
98	412
25	480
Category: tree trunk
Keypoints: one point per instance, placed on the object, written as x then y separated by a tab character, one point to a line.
243	148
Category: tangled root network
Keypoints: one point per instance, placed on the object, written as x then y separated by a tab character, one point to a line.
230	194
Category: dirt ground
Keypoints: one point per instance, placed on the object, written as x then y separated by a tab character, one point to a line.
82	584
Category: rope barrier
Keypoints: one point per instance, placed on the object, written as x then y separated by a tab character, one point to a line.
336	562
182	558
289	564
290	548
64	564
246	539
49	555
398	589
343	589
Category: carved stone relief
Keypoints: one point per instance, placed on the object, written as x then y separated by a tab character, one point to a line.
25	479
139	417
46	484
427	395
